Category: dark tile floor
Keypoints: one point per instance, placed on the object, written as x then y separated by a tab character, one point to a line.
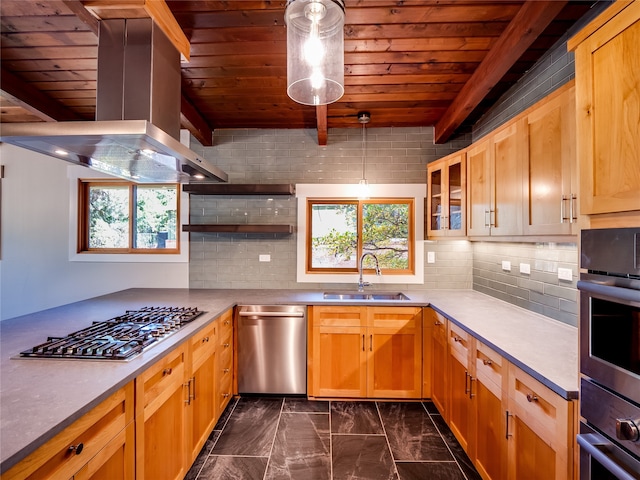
260	438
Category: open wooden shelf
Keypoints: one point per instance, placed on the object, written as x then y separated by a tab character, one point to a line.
239	228
239	188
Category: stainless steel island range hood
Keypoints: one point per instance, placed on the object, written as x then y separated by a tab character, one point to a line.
137	127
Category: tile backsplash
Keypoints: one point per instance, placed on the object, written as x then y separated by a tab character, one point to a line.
540	290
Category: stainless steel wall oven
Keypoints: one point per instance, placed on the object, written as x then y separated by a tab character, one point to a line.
609	329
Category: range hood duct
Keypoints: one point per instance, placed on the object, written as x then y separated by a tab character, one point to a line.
137	128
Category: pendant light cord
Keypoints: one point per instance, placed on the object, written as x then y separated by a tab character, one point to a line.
364	145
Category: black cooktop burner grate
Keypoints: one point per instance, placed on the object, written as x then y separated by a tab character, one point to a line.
119	338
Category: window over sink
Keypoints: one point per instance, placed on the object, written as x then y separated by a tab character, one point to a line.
335	228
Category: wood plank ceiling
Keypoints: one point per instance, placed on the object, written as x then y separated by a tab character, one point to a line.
408	62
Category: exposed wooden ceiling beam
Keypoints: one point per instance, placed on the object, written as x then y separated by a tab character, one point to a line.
192	120
22	93
522	31
78	9
321	120
158	10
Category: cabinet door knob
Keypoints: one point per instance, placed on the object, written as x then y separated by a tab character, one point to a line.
532	397
76	448
167	371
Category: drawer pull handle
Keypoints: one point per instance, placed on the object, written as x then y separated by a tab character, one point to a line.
77	448
487	362
205	339
506	433
532	397
457	339
226	322
225	395
225	345
437	323
226	370
166	371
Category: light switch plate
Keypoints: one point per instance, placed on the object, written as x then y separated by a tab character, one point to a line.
431	257
565	274
264	258
525	268
506	265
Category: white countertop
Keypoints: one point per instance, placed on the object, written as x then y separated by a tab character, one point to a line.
39	398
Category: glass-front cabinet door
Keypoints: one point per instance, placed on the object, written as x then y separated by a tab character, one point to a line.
446	196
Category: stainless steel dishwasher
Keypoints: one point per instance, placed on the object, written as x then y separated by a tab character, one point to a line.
272	349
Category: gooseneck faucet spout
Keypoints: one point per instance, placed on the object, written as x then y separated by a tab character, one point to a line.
361	283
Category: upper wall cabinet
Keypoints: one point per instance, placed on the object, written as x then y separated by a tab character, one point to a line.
607	56
494	183
550	205
446	199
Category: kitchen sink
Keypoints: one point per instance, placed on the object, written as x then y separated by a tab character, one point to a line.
364	296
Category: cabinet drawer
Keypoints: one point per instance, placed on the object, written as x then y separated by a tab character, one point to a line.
203	345
439	327
158	382
225	324
395	317
224	393
490	368
73	448
545	412
338	316
459	343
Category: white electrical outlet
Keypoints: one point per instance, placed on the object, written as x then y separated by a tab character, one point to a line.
506	265
264	258
525	268
431	257
565	274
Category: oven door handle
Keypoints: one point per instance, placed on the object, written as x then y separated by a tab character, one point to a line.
592	445
619	294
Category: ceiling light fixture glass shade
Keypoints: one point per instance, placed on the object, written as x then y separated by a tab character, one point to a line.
315	51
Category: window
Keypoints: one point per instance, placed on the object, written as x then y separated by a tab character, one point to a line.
123	217
340	231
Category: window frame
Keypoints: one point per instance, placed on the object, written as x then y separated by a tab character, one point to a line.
360	203
417	191
82	242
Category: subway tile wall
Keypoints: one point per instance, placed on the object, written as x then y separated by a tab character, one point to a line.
540	290
392	155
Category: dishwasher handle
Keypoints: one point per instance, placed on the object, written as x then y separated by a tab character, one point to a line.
271	314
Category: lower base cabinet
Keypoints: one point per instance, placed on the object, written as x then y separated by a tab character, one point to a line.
365	352
511	425
98	446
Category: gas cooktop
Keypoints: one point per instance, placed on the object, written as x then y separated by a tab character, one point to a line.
119	338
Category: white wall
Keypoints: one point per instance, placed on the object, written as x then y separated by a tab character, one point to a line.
35	270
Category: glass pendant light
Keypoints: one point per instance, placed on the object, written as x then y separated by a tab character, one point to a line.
363	185
315	51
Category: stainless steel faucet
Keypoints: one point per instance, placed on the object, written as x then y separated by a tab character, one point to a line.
362	284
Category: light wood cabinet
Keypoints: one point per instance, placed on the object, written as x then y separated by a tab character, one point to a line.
224	362
540	429
446	196
439	375
161	397
494	183
607	77
98	446
550	179
365	352
461	414
489	453
509	424
201	392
